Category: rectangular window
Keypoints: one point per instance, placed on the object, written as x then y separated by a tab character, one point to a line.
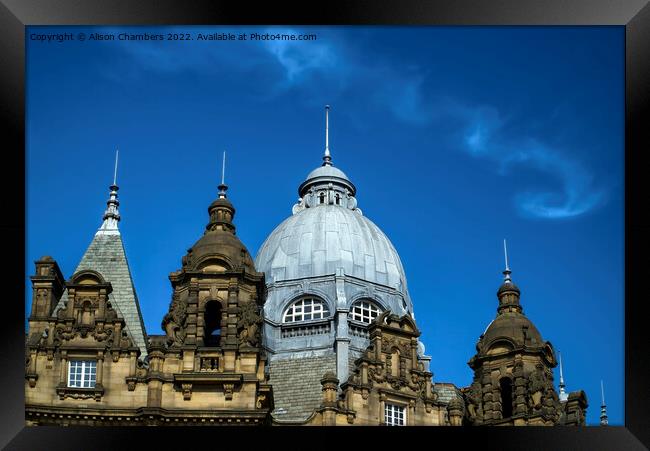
394	415
82	373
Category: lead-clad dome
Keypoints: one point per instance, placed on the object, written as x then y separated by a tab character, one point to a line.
318	240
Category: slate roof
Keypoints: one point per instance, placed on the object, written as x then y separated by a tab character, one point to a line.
296	385
446	392
106	255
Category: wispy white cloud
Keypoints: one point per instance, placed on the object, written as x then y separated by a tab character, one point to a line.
572	188
298	58
577	195
482	131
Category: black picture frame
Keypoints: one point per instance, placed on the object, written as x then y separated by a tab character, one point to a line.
15	15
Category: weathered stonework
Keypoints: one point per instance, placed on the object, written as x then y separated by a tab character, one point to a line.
208	369
513	377
210	366
389	371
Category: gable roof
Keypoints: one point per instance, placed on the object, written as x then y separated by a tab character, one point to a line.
106	255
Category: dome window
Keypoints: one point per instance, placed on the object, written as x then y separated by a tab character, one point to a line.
322	198
365	311
306	309
338	199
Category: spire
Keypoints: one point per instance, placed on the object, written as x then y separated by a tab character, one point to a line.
117	154
223	187
563	394
507	271
508	292
603	407
327	159
221	210
111	215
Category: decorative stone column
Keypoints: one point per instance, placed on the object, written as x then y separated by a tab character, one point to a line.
330	392
455	411
63	377
342	340
100	369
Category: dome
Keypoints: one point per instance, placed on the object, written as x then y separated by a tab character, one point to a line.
511	325
324	174
316	241
327	171
507	288
220	245
219	241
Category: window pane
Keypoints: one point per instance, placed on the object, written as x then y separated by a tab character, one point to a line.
394	415
306	309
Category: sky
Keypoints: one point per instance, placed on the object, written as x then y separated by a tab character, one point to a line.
455	137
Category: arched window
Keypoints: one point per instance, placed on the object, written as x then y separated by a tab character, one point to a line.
505	385
306	309
364	311
212	321
322	198
338	199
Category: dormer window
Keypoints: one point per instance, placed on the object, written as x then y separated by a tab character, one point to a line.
306	309
364	311
82	373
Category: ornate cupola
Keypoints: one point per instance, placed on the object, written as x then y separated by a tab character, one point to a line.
212	344
508	293
513	378
219	246
221	210
326	185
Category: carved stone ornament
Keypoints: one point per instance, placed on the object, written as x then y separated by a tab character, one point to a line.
81	393
187	391
537	386
228	389
249	325
175	320
473	402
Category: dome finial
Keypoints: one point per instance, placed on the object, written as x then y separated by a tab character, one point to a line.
223	187
117	154
508	292
111	215
507	271
563	394
327	159
603	407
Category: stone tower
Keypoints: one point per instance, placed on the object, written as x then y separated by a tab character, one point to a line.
210	363
513	377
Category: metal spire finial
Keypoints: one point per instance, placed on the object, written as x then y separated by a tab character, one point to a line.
327	159
507	271
223	187
117	154
563	395
111	215
223	169
603	407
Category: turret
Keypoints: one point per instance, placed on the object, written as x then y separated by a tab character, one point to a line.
513	378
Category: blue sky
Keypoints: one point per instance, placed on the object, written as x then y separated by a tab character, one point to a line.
456	138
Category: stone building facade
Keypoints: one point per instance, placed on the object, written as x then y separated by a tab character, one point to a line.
319	330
